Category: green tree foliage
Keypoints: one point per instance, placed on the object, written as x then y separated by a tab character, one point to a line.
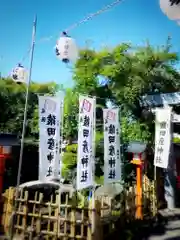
70	159
71	110
121	75
69	162
124	74
133	131
12	99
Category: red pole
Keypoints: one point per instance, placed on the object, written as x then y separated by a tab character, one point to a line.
139	191
2	169
138	162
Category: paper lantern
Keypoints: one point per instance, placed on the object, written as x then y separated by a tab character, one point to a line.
19	74
66	49
170	8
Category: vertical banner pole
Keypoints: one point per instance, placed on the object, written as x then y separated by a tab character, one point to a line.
154	197
61	157
120	142
170	178
93	156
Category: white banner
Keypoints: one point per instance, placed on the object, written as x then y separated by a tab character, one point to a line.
50	124
85	162
112	155
162	137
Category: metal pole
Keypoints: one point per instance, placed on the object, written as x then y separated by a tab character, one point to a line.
26	104
1	58
61	138
61	157
24	127
170	179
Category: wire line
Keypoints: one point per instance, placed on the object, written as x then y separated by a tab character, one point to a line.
77	24
92	15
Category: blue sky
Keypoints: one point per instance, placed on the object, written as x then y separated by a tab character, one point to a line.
132	20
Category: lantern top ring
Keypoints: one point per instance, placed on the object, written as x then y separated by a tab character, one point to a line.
64	34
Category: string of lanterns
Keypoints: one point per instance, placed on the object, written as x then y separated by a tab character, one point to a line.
66	48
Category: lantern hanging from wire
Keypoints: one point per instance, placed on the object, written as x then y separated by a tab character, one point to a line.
171	8
66	49
19	74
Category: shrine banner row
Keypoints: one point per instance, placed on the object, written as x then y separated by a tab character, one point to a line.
51	139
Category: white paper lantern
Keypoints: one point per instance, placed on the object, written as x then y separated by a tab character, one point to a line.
172	11
19	74
66	49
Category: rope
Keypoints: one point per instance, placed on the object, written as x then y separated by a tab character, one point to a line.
25	55
92	15
73	26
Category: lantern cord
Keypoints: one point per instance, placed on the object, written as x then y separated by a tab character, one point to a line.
25	55
73	26
90	16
